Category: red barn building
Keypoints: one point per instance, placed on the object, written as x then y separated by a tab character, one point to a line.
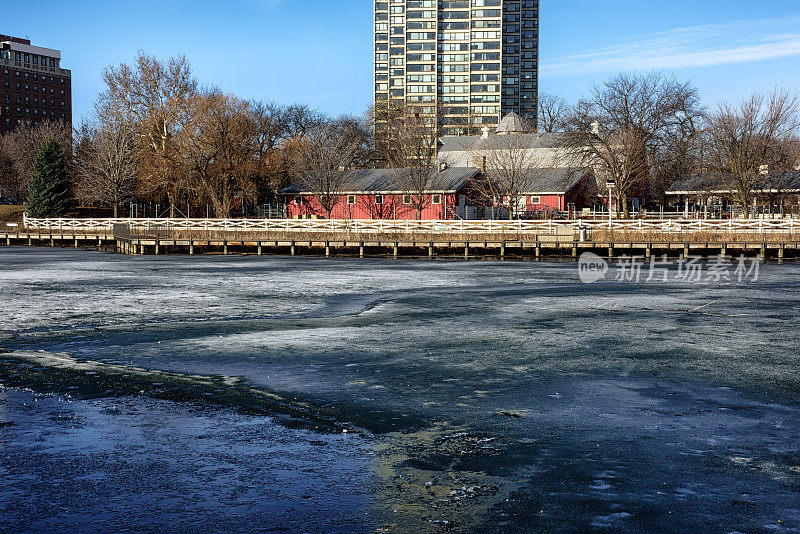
557	189
377	194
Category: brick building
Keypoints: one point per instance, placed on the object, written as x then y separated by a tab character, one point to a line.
33	86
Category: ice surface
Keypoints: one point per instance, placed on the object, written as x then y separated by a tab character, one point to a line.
497	396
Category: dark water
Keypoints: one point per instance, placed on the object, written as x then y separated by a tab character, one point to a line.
214	394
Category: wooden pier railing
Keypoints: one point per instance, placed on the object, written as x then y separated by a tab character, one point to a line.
775	238
354	226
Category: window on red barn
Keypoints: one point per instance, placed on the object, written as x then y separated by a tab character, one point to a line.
436	199
378	199
406	199
351	200
536	200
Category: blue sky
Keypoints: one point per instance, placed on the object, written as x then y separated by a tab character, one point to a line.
319	52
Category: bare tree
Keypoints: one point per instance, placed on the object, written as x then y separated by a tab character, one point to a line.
618	128
412	151
19	148
9	184
679	152
221	143
553	113
154	97
510	168
106	164
301	119
792	149
273	169
380	116
279	131
324	157
741	139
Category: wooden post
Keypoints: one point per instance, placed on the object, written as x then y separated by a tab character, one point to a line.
30	243
361	249
191	248
502	249
156	249
538	251
610	252
574	250
780	253
763	251
225	248
394	252
259	248
8	242
723	251
430	249
466	250
292	249
52	241
648	251
327	249
686	250
76	241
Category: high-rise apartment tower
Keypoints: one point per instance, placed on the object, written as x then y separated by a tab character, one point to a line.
477	60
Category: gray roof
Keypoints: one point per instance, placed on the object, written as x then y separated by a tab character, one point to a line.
465	143
705	183
512	123
555	180
451	180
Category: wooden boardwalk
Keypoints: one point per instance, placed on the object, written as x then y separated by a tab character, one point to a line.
539	246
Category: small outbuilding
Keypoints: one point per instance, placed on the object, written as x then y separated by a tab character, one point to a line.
774	192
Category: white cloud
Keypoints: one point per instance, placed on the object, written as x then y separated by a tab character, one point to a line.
690	47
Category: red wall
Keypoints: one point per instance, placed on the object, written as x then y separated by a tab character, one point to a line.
366	208
555	202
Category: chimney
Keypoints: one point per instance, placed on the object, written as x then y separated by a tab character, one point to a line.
763	170
595	128
486	131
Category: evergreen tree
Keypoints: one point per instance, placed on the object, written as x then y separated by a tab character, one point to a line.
48	190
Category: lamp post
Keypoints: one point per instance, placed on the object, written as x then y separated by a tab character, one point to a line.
610	185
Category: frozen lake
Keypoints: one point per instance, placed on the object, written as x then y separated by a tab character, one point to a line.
267	394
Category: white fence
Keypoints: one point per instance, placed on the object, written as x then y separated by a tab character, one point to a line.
413	226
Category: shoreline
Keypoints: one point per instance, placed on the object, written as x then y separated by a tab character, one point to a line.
446	251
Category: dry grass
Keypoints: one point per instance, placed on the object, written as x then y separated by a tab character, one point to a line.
705	236
11	213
